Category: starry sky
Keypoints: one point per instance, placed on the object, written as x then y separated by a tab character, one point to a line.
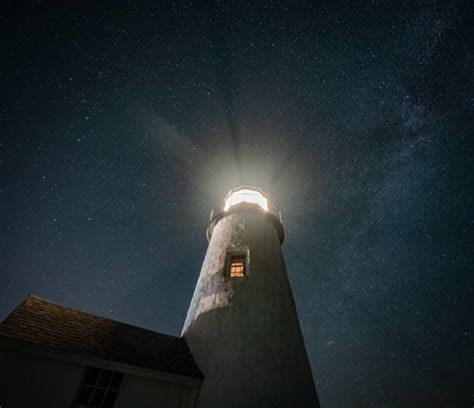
124	124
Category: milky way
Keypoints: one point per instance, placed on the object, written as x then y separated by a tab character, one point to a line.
123	126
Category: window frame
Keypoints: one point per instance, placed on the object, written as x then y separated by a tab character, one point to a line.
231	256
108	389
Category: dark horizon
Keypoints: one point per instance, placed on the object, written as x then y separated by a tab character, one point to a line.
125	125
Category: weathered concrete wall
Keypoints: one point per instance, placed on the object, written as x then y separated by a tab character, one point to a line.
29	380
244	333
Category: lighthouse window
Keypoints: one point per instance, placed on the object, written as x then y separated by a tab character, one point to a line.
238	265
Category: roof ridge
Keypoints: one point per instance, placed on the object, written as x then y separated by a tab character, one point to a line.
92	314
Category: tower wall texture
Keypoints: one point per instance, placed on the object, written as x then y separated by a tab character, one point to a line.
244	333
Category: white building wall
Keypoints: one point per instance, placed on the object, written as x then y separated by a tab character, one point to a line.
31	380
27	380
148	393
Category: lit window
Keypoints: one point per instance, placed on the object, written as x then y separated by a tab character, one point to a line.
98	389
238	265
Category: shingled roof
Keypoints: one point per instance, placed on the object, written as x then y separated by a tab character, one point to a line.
62	328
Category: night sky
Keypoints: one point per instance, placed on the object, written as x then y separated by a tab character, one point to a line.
123	125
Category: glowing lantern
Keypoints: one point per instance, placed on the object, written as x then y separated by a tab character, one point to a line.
246	195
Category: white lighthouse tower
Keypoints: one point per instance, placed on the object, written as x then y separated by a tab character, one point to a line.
242	327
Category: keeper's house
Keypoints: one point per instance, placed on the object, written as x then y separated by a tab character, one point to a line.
54	356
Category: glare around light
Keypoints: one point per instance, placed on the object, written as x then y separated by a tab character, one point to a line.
246	196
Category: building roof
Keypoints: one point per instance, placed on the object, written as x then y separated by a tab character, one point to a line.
40	321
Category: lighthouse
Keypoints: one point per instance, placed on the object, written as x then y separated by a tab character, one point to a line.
242	326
